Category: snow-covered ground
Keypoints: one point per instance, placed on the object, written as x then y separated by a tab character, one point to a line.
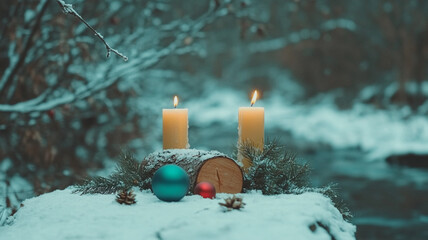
379	133
64	215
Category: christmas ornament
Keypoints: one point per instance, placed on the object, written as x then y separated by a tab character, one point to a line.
170	183
125	197
205	189
233	203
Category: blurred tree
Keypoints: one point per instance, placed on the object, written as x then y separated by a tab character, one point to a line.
64	109
401	27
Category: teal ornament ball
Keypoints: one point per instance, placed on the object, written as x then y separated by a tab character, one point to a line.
170	183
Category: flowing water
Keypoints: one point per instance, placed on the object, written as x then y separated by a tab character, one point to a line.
388	202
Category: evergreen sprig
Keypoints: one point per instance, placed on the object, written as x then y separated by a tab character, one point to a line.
126	175
276	170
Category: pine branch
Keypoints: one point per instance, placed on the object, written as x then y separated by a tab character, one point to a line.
126	176
68	9
127	170
275	170
272	149
98	185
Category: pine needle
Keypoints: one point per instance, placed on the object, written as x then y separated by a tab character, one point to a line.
276	170
126	176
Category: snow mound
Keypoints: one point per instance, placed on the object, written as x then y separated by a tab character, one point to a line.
64	215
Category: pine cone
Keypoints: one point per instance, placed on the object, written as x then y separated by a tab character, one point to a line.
233	203
125	197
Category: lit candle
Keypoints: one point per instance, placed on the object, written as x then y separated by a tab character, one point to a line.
175	126
251	128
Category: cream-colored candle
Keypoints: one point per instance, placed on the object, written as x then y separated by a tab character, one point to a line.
175	126
251	128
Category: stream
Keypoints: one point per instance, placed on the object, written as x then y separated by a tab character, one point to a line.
388	202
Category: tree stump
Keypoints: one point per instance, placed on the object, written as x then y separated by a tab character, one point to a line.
202	166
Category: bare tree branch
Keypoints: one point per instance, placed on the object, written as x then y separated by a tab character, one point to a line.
68	8
7	78
46	100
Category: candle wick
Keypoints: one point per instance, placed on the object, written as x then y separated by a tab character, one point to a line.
252	104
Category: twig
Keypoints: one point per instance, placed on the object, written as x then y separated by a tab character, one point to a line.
45	101
68	9
23	55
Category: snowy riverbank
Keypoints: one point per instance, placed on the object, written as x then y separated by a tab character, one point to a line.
63	215
379	133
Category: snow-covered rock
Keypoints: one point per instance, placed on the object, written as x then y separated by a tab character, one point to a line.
64	215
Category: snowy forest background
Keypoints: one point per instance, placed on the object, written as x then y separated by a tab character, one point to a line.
344	83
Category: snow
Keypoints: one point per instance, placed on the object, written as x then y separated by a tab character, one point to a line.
304	34
64	215
183	155
339	23
379	133
15	189
217	106
29	15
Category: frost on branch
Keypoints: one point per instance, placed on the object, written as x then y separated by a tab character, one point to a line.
68	8
151	42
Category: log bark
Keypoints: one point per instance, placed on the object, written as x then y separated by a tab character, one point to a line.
202	166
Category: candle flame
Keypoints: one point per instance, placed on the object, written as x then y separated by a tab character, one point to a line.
253	100
175	101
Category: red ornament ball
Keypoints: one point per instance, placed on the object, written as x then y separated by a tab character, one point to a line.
205	189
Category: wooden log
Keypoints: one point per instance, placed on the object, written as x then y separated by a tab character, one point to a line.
202	166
